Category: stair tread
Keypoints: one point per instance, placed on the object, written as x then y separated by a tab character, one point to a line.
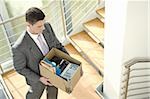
101	12
102	19
96	27
93	50
90	76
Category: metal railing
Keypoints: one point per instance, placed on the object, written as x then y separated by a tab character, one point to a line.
64	16
10	30
5	93
136	79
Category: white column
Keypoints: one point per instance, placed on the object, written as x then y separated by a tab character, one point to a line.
136	41
136	29
126	37
113	54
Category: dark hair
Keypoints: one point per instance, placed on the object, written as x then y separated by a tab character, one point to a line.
34	15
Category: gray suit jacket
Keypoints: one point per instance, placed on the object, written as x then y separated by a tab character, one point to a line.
27	55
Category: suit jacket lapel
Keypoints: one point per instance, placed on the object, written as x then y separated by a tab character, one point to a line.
33	47
47	37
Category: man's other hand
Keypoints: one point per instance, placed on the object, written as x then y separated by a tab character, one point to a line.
45	81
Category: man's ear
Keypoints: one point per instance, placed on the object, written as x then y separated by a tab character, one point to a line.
28	24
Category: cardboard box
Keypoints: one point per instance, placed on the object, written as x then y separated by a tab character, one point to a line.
56	80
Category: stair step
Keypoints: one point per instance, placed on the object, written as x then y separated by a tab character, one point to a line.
88	71
95	28
85	65
101	12
102	19
75	45
90	48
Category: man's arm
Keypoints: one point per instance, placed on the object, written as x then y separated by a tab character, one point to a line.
20	66
56	41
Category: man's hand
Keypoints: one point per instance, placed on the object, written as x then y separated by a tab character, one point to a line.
45	81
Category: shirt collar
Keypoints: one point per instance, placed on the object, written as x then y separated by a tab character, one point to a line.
34	36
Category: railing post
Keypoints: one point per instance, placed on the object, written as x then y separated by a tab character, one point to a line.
128	66
99	1
63	18
1	69
127	82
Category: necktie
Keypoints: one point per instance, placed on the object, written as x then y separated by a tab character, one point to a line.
44	47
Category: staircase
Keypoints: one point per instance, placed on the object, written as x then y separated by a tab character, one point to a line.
135	79
88	81
90	44
95	29
101	12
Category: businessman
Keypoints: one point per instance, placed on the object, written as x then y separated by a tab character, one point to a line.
30	49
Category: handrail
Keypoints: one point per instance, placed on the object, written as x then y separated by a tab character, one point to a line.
133	61
55	13
128	65
14	35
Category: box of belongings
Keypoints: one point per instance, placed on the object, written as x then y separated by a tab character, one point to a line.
62	70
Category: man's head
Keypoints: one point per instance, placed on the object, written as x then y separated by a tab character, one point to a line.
35	20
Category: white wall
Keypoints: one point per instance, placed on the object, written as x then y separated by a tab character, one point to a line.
136	32
113	52
126	36
136	39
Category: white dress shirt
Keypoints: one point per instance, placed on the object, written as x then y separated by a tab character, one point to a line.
34	37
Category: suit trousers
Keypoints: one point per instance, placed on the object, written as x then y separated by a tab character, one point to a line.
37	89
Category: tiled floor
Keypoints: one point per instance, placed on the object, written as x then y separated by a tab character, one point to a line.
85	88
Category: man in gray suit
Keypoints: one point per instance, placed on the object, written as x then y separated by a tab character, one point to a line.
29	50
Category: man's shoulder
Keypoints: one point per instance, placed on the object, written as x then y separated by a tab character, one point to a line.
46	23
20	41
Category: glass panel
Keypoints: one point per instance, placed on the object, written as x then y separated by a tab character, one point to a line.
54	16
5	53
76	11
11	30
